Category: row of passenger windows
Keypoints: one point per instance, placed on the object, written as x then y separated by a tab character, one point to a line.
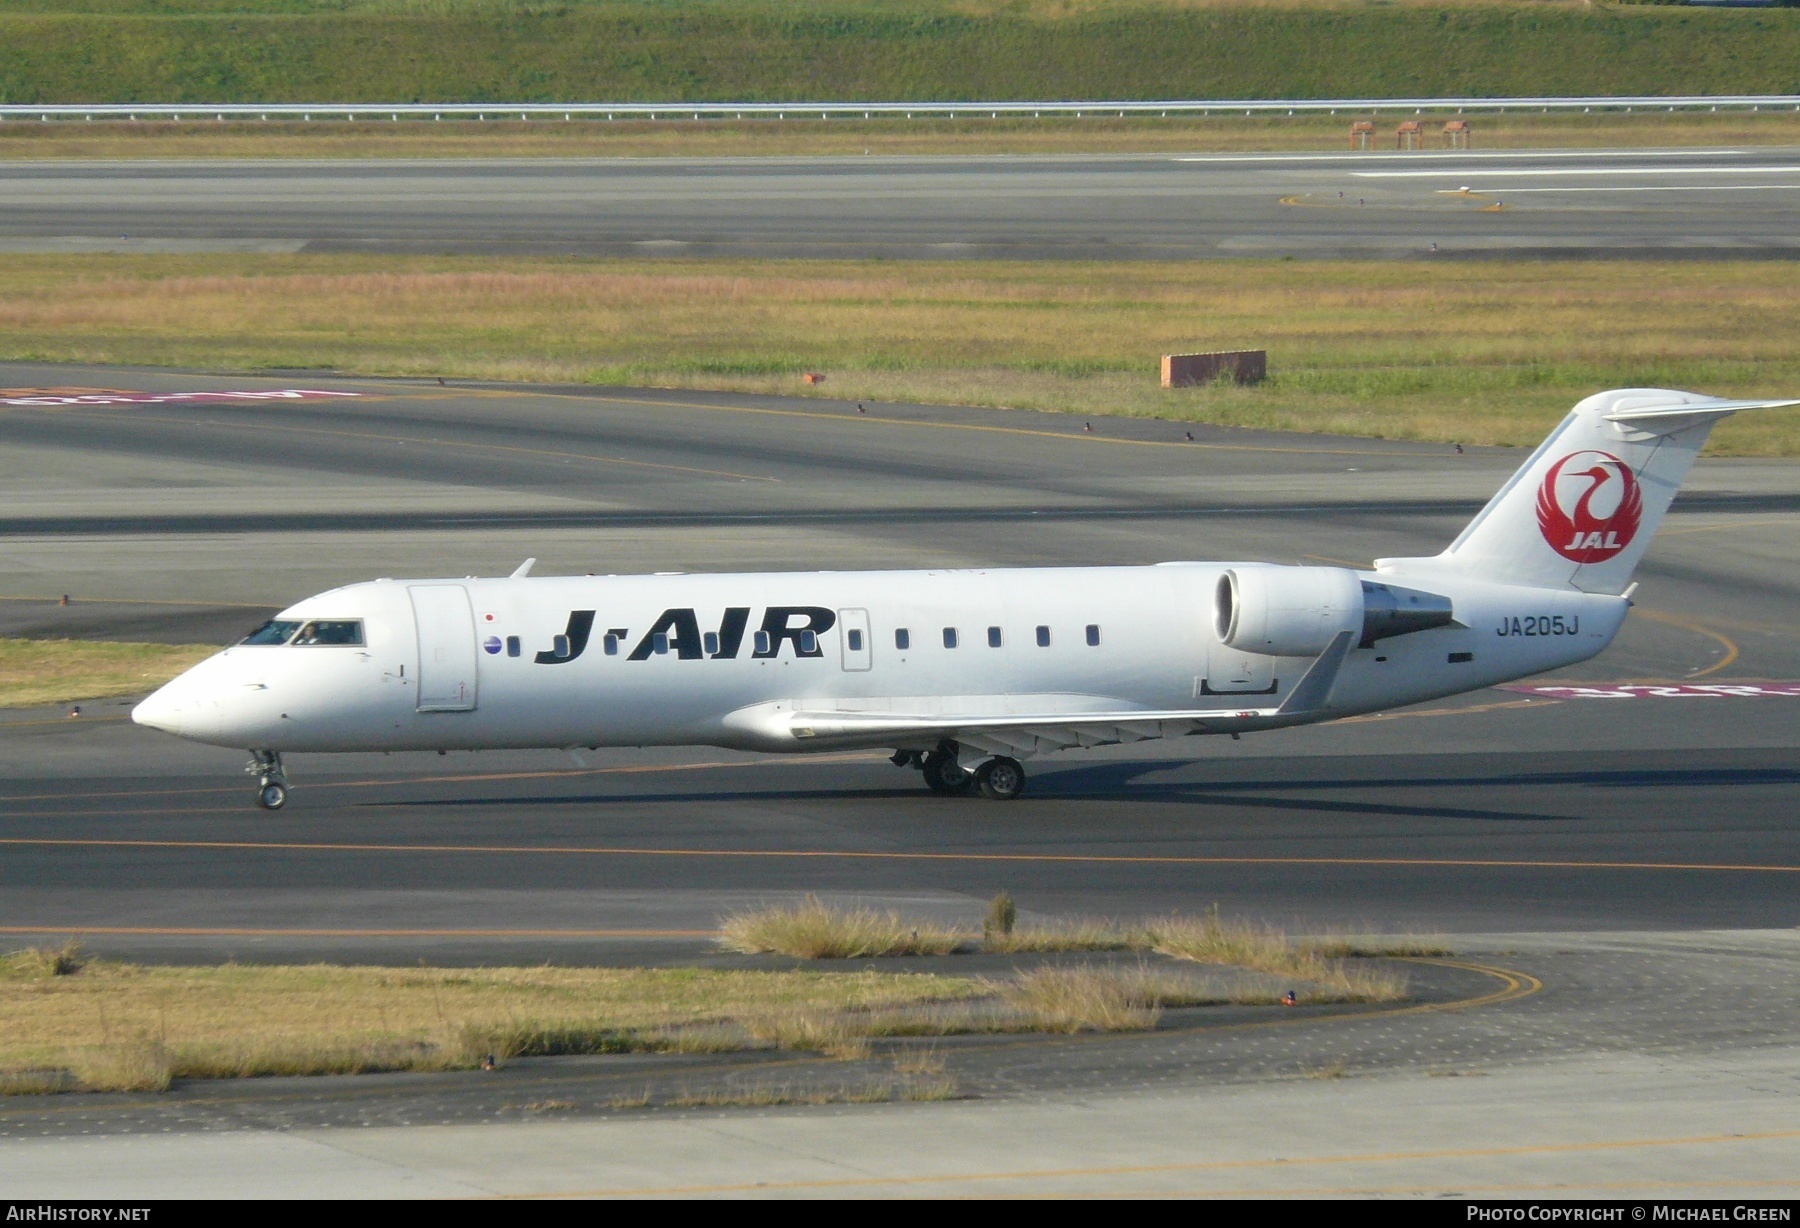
996	638
853	640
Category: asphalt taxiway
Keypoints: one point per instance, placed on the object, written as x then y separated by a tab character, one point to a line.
1742	203
1633	859
172	509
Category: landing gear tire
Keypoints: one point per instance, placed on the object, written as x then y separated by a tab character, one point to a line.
943	775
1001	779
271	781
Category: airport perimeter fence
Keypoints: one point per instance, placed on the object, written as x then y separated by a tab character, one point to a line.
500	112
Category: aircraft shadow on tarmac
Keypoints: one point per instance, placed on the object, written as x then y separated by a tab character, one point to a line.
1122	781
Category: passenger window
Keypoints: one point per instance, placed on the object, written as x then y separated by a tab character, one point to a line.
1043	637
762	643
512	645
902	638
659	643
1093	635
559	645
274	631
337	631
949	637
993	637
610	643
808	642
854	640
710	643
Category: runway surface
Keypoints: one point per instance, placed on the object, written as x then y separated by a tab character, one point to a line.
190	516
1699	202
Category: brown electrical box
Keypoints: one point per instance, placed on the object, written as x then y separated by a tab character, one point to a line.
1243	366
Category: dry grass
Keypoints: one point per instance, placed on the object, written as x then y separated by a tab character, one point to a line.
1083	999
1375	946
68	1023
919	1062
840	137
835	1034
40	963
812	929
1211	939
57	671
1079	934
123	1026
1479	352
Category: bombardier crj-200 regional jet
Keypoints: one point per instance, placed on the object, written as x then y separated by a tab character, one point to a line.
962	673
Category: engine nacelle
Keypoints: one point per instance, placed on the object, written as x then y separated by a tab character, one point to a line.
1296	611
1286	611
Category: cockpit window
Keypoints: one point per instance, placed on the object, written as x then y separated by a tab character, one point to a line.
275	631
330	631
311	631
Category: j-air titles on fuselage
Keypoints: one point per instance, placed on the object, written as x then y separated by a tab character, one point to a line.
678	631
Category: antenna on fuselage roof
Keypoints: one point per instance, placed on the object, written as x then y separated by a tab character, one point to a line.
522	570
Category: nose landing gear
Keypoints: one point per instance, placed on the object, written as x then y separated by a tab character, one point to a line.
272	784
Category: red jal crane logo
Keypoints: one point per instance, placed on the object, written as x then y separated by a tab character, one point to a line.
1589	506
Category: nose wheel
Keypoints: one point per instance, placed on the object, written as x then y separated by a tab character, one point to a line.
271	781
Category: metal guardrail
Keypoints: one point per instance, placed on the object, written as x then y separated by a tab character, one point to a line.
515	111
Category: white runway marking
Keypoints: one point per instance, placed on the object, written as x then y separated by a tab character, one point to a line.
1595	170
1659	187
1462	157
98	397
1632	690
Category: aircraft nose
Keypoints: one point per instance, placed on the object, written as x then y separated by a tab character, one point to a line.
160	710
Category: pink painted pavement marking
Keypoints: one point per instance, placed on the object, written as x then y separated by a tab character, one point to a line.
1662	690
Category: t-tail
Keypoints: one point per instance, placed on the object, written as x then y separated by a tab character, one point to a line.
1582	510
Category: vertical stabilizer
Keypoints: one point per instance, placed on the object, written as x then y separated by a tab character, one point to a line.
1581	511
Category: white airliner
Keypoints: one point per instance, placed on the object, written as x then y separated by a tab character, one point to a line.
962	673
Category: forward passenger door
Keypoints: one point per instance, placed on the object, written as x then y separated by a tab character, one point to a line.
446	624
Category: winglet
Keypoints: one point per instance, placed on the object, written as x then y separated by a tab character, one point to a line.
522	570
1314	687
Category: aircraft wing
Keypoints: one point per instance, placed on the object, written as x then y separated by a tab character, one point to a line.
983	722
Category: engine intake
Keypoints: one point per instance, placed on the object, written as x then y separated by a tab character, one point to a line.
1297	611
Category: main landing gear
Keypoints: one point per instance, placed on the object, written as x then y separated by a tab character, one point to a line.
999	779
272	785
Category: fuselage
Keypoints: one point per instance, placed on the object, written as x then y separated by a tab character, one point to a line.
690	659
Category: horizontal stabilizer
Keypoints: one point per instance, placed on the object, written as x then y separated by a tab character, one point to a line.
1682	410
